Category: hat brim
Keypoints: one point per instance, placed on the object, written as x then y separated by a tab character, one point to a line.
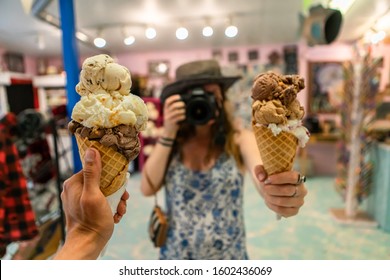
179	86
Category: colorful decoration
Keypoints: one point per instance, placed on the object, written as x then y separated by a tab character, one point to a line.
360	100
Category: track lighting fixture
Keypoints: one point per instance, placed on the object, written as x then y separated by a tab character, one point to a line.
150	33
181	33
231	30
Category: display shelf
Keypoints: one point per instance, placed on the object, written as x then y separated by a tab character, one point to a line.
50	88
319	157
52	97
6	78
50	81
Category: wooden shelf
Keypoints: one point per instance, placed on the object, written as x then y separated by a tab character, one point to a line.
319	157
49	81
325	137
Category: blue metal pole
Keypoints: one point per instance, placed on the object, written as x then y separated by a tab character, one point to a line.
71	65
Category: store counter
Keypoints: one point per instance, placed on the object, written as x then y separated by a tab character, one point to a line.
319	157
378	202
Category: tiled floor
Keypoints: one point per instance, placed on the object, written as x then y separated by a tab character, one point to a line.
313	234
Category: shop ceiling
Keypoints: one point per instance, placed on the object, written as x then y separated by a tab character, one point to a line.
258	22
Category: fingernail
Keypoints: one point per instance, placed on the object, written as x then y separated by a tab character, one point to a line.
89	156
261	176
268	181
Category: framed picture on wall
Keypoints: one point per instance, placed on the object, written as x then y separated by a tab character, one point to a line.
217	54
253	55
233	56
14	62
325	86
158	68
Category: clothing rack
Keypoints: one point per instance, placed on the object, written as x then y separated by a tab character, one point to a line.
59	180
41	152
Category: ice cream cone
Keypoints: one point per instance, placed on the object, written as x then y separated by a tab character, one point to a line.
114	165
277	152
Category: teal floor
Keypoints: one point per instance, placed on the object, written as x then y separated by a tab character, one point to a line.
312	235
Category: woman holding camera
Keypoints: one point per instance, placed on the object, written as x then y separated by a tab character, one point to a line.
200	161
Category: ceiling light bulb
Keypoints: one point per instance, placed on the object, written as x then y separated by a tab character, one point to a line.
162	68
231	31
99	42
207	31
150	33
181	33
129	40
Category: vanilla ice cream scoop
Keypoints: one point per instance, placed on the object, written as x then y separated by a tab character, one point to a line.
107	111
106	100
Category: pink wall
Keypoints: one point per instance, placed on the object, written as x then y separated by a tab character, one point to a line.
2	51
30	64
137	62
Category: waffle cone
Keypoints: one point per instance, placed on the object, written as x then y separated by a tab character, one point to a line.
277	152
114	165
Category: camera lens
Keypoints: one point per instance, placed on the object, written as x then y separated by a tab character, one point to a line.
199	111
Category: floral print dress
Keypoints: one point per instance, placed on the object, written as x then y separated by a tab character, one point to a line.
205	212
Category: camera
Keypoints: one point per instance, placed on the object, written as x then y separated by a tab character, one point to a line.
200	105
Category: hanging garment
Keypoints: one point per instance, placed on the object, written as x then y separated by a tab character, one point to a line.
17	218
33	147
37	163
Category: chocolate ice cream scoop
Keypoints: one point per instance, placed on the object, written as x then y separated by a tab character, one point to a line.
264	86
295	111
266	112
120	138
269	86
109	140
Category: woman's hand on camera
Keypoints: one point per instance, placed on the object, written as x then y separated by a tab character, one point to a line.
174	112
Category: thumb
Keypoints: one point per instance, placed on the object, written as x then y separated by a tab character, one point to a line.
260	172
91	169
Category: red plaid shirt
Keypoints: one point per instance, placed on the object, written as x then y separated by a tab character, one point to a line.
17	219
